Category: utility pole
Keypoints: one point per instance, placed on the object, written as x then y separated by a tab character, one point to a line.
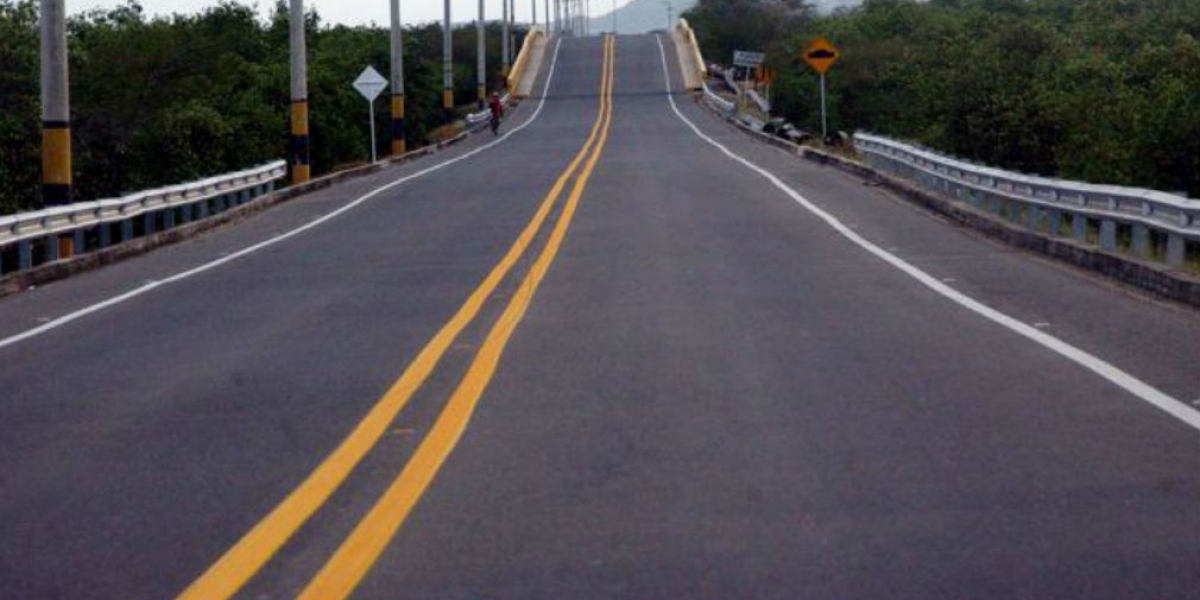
614	16
301	145
504	40
547	7
670	15
447	64
534	13
481	66
56	106
399	145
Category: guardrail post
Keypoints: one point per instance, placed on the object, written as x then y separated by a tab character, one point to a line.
24	255
1141	240
148	219
80	242
105	235
1108	235
126	230
1080	228
1055	217
187	210
51	248
1033	215
169	218
1176	250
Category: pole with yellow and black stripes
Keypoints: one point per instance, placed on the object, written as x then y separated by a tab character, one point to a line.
56	106
300	147
448	64
399	144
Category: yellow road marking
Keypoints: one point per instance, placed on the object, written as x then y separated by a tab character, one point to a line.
346	569
241	562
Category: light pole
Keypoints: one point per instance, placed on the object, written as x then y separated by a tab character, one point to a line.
300	146
447	64
504	40
481	63
56	106
399	145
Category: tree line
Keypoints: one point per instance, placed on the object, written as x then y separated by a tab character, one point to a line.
163	100
1106	91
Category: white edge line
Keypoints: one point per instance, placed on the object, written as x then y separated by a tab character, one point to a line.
115	300
1110	372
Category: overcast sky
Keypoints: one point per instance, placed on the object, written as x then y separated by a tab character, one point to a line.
354	12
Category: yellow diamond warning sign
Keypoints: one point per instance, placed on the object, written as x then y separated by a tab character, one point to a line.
821	55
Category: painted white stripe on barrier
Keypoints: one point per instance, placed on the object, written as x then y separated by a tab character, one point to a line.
95	308
1129	383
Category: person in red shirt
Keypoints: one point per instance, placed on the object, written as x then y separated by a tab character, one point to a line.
497	108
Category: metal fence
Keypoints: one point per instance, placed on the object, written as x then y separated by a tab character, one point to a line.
47	235
1153	225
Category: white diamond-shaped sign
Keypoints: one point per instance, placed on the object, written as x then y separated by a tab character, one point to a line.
370	84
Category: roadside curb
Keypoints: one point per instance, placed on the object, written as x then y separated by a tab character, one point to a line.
48	273
1168	284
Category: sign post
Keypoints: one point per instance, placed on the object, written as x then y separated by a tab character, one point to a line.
370	84
820	56
748	61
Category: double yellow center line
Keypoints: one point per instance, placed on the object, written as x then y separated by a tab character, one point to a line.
351	562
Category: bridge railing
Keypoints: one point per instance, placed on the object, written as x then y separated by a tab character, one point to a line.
88	226
1155	225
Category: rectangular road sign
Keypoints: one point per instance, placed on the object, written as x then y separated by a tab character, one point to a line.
742	58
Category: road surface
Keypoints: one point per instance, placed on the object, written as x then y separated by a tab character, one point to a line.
680	383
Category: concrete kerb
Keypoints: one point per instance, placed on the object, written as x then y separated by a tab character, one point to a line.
1168	284
61	269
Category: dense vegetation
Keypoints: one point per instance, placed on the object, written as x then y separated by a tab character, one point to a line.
158	101
1097	90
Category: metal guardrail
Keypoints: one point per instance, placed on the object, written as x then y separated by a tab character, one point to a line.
100	224
1158	224
718	102
479	118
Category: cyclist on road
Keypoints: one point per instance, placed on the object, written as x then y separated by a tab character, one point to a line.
497	108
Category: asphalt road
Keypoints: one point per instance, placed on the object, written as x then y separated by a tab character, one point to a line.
712	394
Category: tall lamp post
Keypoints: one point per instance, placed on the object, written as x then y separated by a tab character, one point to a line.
481	62
399	145
56	106
300	145
447	64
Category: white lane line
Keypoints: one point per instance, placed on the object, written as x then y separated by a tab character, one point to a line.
1172	406
153	285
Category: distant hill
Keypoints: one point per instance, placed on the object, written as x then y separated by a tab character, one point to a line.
643	16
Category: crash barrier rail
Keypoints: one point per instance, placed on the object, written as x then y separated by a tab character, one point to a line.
717	102
762	103
731	81
479	118
1154	225
47	235
523	58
